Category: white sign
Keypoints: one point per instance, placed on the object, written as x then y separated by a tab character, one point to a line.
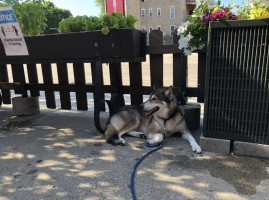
10	33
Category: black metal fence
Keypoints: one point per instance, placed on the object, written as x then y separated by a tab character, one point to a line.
237	89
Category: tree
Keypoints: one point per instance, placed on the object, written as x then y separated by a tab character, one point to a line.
101	5
54	16
30	15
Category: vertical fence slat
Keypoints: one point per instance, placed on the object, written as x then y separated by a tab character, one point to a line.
33	78
201	73
135	73
102	95
81	97
47	77
176	63
19	76
4	78
116	79
15	68
156	60
115	74
63	79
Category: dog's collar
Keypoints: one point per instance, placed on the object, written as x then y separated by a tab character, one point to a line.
171	116
167	119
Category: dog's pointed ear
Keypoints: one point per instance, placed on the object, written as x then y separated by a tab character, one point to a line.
169	93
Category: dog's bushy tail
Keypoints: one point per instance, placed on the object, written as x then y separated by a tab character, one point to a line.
111	135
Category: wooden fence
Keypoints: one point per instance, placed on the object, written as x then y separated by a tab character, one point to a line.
155	50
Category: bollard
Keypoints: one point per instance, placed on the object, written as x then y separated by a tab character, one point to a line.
25	106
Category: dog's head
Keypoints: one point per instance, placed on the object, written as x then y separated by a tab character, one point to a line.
161	103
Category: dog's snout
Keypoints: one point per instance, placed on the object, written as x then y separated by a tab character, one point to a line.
141	106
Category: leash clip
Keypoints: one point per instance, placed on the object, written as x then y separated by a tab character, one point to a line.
182	97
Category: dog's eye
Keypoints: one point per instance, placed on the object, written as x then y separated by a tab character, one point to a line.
154	98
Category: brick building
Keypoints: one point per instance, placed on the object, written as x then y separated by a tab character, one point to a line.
165	15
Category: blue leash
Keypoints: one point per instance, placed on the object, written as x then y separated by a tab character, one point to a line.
158	146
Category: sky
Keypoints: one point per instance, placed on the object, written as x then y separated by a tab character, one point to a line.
78	7
88	7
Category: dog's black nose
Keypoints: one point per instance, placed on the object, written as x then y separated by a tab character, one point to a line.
141	106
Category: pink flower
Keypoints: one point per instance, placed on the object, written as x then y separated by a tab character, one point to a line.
223	14
233	17
205	21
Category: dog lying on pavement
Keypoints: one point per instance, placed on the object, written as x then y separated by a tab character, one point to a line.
158	117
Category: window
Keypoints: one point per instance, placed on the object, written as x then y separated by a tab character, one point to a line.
158	11
159	28
172	12
143	13
150	12
172	29
150	29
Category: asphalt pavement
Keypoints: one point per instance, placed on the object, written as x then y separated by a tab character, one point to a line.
59	154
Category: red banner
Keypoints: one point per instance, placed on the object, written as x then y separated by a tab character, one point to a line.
114	6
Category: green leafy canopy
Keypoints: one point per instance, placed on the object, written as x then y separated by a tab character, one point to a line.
54	16
37	17
30	15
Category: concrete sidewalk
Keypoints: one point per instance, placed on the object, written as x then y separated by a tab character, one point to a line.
59	155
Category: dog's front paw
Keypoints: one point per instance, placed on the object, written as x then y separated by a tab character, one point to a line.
196	149
155	139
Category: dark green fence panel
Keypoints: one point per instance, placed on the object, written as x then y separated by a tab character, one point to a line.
237	88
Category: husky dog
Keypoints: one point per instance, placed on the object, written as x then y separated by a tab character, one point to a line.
159	116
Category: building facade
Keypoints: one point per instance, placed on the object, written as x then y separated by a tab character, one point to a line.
164	15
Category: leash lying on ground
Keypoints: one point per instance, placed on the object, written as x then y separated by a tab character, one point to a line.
158	146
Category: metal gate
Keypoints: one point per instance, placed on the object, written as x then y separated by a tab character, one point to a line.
237	81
